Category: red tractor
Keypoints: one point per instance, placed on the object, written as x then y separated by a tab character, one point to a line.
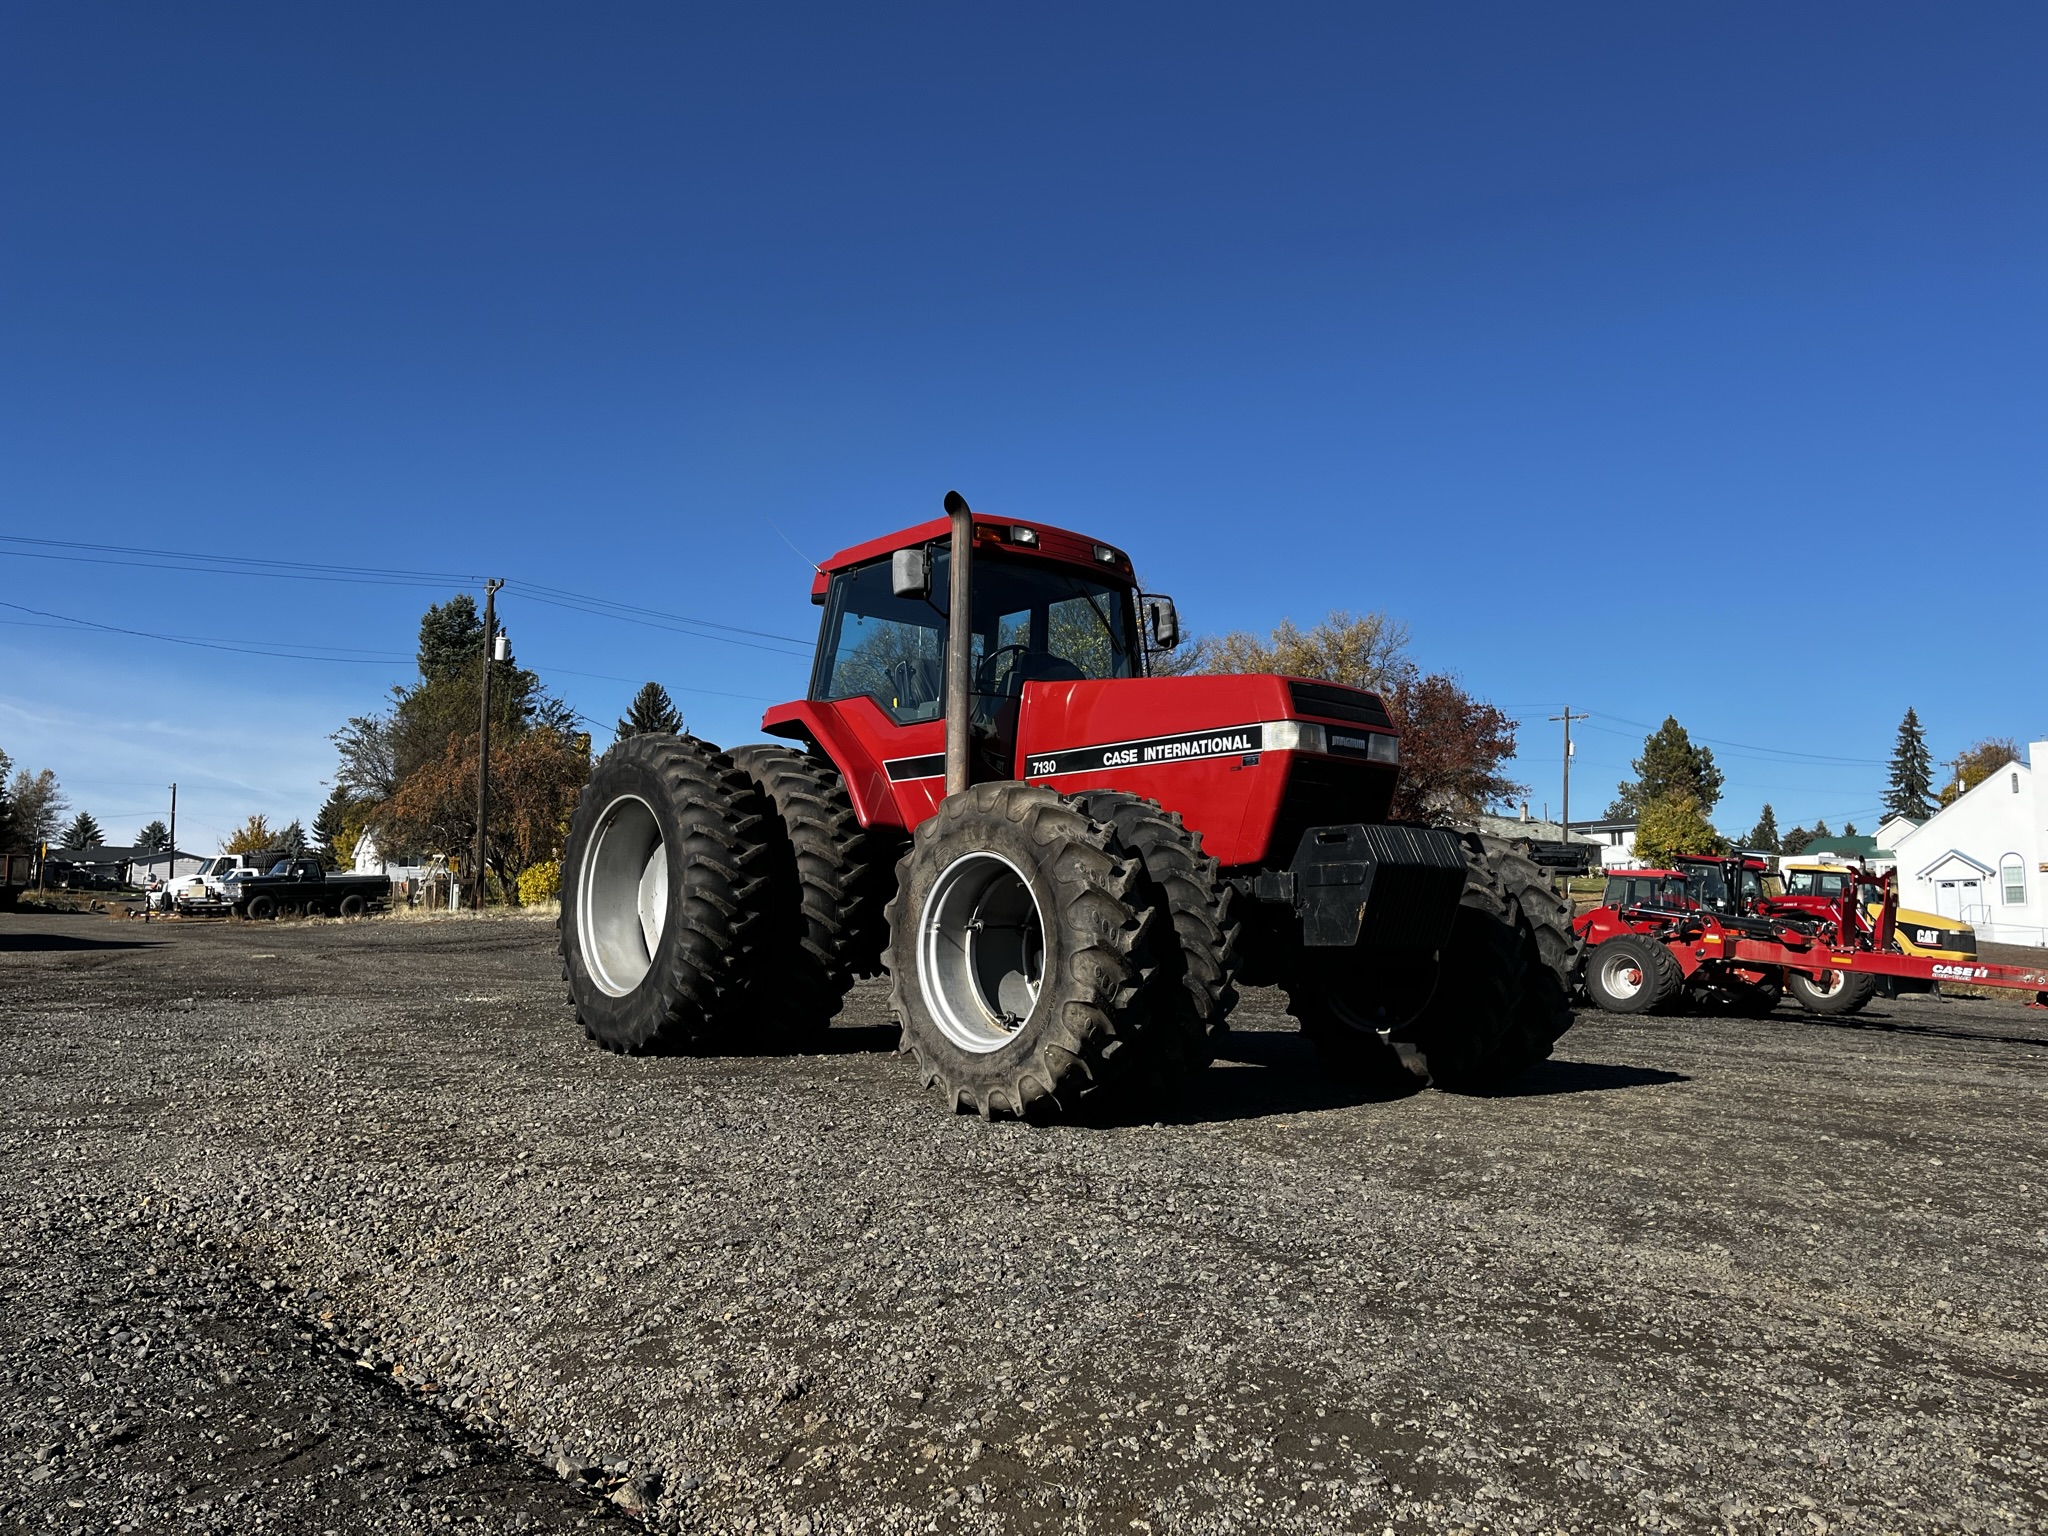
1065	865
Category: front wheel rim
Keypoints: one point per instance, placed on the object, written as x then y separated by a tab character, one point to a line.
622	896
981	952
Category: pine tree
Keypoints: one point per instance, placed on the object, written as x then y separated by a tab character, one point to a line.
1671	766
1911	791
1848	829
451	637
1795	841
293	839
154	838
652	711
1763	837
83	832
329	829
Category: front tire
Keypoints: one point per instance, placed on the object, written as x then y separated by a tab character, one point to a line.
1197	997
261	909
660	902
1019	954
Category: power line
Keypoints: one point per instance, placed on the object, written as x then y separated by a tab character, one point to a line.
1738	748
290	653
146	558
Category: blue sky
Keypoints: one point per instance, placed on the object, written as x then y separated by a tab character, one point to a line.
1648	360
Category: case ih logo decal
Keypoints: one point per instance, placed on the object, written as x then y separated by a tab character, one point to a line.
1232	741
1961	972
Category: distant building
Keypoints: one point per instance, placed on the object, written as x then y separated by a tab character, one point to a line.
1983	858
1617	840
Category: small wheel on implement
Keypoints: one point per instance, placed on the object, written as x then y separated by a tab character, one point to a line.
1632	973
1834	993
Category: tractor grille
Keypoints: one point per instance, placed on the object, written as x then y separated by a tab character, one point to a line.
1333	701
1323	792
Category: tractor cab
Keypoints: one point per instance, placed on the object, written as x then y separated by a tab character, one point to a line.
1731	883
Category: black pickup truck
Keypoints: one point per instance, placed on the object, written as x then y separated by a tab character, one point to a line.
303	887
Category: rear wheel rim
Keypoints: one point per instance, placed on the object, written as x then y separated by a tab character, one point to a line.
1621	975
622	896
1830	983
981	952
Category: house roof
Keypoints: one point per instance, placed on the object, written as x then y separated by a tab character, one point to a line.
1859	844
1955	855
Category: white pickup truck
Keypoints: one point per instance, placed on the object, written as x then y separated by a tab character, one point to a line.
210	888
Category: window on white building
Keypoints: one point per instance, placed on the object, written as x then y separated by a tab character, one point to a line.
2012	875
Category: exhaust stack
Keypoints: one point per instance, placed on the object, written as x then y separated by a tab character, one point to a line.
959	639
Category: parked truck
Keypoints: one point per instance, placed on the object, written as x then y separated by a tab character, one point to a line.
301	887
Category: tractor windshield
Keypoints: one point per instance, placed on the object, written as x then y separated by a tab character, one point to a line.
1033	622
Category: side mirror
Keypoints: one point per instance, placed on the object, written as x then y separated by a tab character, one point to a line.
910	573
1163	621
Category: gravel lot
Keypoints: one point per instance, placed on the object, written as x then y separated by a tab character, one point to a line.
317	1227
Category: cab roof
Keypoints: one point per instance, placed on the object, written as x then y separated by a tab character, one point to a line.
1015	536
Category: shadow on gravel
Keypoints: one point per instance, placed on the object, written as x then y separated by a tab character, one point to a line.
1552	1077
16	943
1264	1073
1881	1024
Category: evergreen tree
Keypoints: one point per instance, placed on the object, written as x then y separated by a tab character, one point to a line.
1911	790
652	711
451	637
1795	841
1670	767
292	840
154	838
83	832
1763	837
7	837
330	829
1848	829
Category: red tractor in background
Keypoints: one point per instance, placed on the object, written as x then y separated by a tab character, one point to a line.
1064	865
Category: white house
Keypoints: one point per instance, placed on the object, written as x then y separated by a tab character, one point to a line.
1984	858
1617	840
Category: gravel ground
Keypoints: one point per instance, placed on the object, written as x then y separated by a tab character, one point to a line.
319	1227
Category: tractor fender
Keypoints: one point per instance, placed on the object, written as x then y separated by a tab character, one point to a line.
859	748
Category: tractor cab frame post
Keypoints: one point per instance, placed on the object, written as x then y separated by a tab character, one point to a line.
959	640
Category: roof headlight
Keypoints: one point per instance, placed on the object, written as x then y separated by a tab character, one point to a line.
1106	555
1022	535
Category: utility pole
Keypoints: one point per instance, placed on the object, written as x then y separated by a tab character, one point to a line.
171	864
1566	817
483	736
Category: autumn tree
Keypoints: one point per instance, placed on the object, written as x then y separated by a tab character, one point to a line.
400	768
1453	746
253	836
1975	764
1911	789
154	838
7	839
83	832
1671	766
1763	837
1673	824
535	779
651	712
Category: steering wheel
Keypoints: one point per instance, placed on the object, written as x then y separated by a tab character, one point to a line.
985	674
